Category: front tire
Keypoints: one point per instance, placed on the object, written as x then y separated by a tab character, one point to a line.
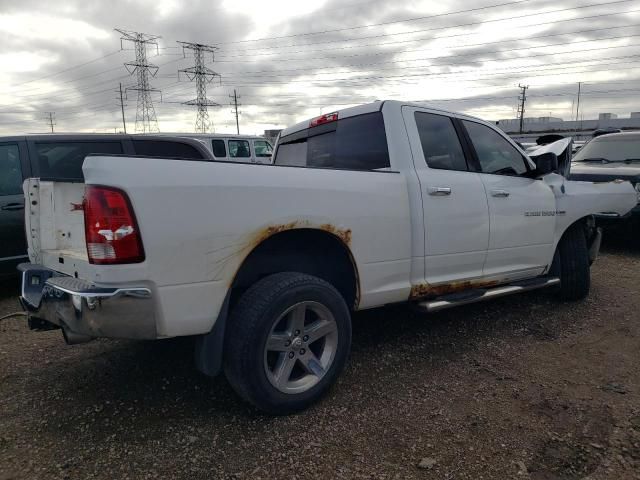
287	341
571	264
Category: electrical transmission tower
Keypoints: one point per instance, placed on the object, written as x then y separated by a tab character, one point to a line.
202	75
145	113
522	98
50	118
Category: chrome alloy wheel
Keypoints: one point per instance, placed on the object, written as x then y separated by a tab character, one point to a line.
301	347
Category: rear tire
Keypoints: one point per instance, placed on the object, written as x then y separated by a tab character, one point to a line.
571	264
287	341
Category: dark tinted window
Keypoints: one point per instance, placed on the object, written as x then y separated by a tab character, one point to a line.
356	143
219	150
10	170
495	154
239	149
262	148
293	154
440	142
165	149
63	160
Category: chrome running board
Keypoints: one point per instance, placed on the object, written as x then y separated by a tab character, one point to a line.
482	294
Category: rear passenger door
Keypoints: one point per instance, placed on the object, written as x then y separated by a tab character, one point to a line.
263	151
240	151
522	209
456	215
13	247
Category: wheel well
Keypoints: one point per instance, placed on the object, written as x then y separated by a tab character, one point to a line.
306	250
588	225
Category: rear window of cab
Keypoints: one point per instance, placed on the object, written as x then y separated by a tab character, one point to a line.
352	143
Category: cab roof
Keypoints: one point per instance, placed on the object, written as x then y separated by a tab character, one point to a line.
370	108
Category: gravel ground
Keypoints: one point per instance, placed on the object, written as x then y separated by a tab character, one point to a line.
523	387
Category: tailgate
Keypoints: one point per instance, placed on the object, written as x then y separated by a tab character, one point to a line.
55	225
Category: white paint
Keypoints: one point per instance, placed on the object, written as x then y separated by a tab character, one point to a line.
199	221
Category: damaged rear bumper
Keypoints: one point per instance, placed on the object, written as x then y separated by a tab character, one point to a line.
83	310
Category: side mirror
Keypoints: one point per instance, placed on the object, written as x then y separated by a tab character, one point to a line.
546	163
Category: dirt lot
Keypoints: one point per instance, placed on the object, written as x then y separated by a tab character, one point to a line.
524	387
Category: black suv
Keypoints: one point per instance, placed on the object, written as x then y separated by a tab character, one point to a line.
60	157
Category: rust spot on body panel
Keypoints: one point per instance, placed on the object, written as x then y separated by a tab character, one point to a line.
424	290
343	234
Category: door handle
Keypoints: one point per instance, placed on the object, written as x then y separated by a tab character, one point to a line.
499	193
439	191
13	206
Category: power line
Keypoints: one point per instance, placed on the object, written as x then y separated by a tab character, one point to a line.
431	29
344	29
71	68
146	120
325	81
245	74
482	44
378	44
202	75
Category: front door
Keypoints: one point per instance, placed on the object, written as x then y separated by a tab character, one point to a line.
456	215
13	247
521	209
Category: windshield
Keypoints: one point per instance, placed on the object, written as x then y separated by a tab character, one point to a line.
614	148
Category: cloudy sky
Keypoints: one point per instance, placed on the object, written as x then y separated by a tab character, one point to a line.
290	60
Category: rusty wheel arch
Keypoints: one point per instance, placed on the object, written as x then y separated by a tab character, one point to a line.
305	248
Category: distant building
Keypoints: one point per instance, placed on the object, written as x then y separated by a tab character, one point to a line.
533	127
272	135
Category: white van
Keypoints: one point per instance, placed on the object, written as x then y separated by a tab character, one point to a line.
233	148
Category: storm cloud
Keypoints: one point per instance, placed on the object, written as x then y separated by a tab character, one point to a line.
289	61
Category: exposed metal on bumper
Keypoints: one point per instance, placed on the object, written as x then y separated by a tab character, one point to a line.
82	308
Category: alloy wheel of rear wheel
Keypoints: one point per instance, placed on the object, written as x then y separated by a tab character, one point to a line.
287	340
301	347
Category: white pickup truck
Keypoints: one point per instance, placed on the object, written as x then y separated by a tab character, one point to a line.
263	264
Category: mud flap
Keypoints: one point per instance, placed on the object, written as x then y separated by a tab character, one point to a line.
209	348
594	246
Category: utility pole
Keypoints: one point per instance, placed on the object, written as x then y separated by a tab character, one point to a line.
523	99
235	106
202	75
124	123
145	113
578	102
50	119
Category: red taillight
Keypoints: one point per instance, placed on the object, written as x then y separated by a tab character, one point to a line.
110	227
326	118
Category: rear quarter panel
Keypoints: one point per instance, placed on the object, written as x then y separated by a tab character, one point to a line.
200	220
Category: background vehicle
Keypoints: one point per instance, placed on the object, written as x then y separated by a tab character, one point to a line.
383	203
234	148
605	131
60	157
614	156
